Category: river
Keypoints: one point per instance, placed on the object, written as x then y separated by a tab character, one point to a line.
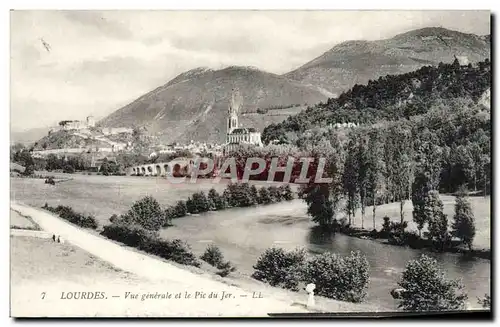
243	234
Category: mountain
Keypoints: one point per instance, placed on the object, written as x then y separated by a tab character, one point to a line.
28	136
357	62
193	105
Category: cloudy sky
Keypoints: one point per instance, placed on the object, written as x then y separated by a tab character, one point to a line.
101	60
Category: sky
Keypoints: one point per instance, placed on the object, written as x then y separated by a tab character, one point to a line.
98	61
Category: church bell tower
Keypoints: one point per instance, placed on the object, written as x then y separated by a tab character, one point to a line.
234	107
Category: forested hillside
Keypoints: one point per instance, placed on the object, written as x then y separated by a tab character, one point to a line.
390	97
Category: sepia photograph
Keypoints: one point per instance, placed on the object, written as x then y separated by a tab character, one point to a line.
250	163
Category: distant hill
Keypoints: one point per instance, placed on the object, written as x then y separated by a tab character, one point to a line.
193	105
29	136
394	97
357	62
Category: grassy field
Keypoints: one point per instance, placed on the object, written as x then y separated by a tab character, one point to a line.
481	207
103	196
20	221
43	260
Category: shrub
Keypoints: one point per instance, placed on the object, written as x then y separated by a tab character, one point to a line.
180	209
175	250
68	169
216	200
264	196
133	235
199	203
239	195
68	214
113	218
337	277
286	192
29	170
136	236
463	226
225	269
426	288
213	256
485	302
386	226
275	194
147	213
280	268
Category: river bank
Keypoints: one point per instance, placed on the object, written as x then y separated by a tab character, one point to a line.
180	278
243	234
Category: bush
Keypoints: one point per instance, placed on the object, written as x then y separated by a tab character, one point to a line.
68	169
225	269
68	214
485	302
180	209
213	256
136	236
216	200
198	203
286	192
147	213
264	196
386	226
132	235
175	250
275	194
342	278
280	268
426	288
239	195
29	170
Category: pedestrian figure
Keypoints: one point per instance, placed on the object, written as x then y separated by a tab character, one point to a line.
310	299
54	237
59	239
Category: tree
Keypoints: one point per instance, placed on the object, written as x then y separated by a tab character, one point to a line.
375	169
264	196
485	302
343	278
198	203
401	164
363	174
426	288
319	205
281	268
421	189
350	180
180	209
286	192
254	193
438	221
147	213
215	199
463	226
274	193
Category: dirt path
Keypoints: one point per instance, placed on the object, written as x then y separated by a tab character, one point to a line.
159	277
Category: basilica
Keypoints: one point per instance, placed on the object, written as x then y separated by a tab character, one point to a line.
236	134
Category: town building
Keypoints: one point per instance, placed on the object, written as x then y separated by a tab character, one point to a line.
68	125
237	134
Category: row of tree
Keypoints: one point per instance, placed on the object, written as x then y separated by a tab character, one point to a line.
148	213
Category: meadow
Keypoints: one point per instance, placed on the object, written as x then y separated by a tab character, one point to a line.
103	196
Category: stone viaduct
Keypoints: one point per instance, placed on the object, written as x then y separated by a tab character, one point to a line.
176	167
